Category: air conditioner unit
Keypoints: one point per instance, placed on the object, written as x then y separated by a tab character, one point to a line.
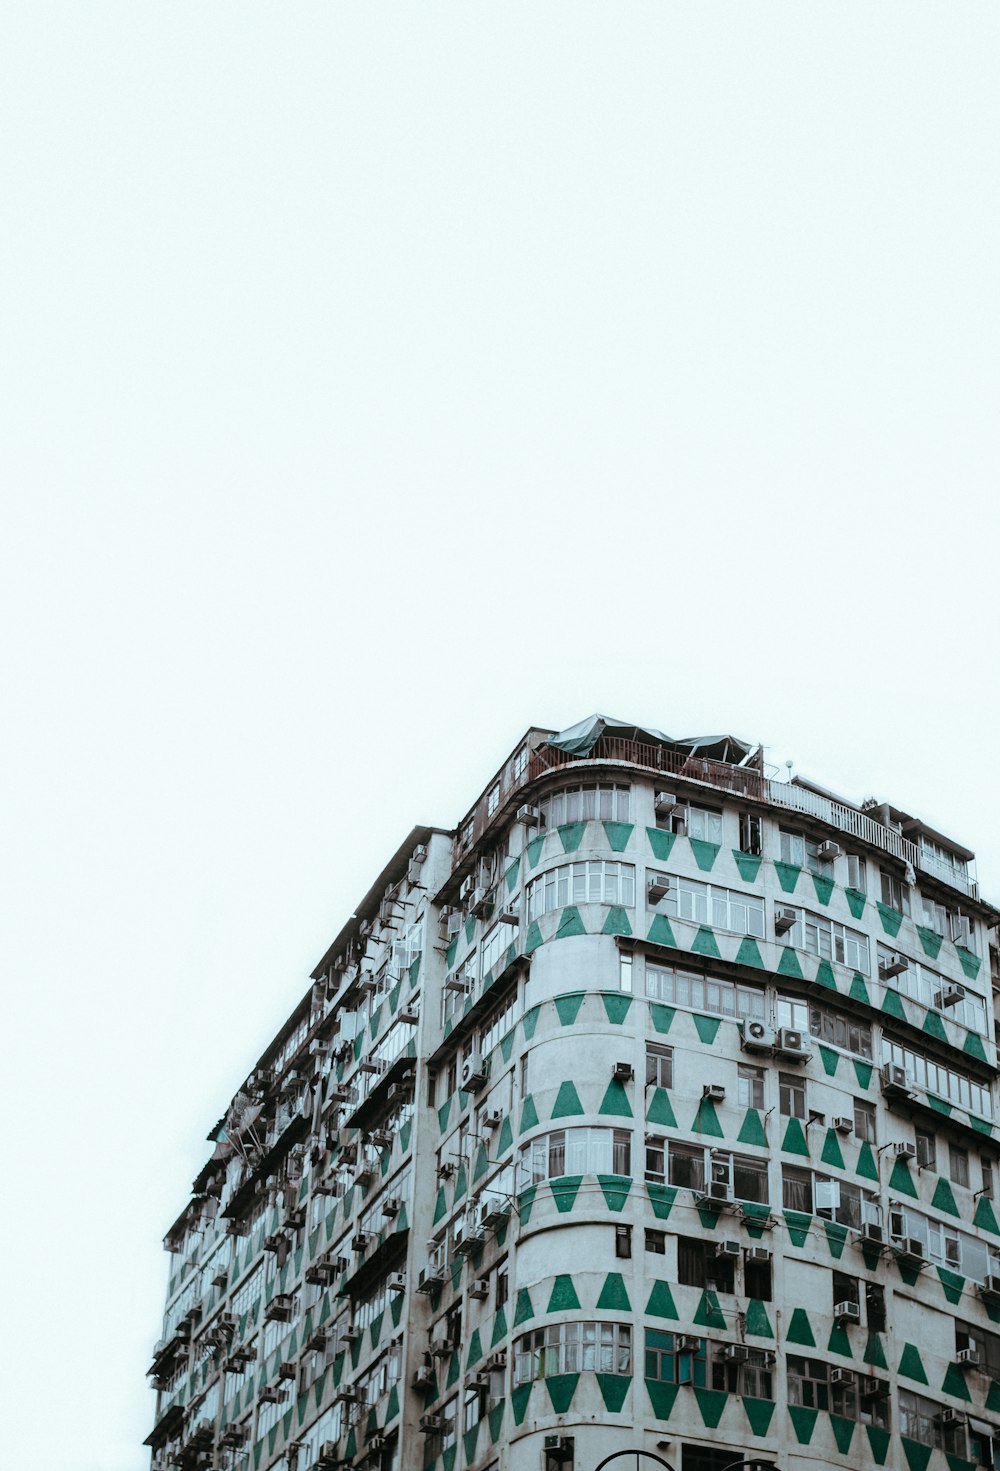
991	1284
493	1212
271	1395
658	888
892	965
872	1388
871	1231
221	1277
348	1394
477	1380
467	887
480	902
785	920
730	1249
480	1289
382	1138
328	1456
841	1376
287	1371
530	816
458	983
950	996
664	804
408	1014
280	1308
843	1124
454	923
827	851
391	1206
492	1118
431	1277
713	1092
623	1072
510	915
339	1092
894	1081
361	1240
441	1347
949	1417
472	1238
475	1072
968	1358
398	1093
737	1353
370	1065
364	1176
847	1312
903	1149
758	1254
423	1377
686	1343
396	1282
558	1447
792	1043
912	1248
497	1361
757	1037
351	1333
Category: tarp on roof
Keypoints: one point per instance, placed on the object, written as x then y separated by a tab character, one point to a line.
580	739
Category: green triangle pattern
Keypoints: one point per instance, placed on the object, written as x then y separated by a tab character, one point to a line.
614	1389
613	1296
911	1365
752	1129
856	901
843	1432
705	853
709	1314
974	1048
660	932
706	1120
617	834
564	1191
561	1388
661	1302
661	1397
749	954
944	1198
758	1324
705	943
567	1104
568	1008
803	1422
788	875
985	1217
789	965
800	1329
615	1101
748	865
523	1310
570	924
615	1189
900	1182
829	1059
529	1115
707	1028
859	991
616	922
711	1403
832	1154
891	918
661	1017
794	1141
532	939
823	887
661	1112
616	1006
863	1073
660	842
930	940
562	1298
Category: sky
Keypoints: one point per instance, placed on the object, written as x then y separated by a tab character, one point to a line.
376	382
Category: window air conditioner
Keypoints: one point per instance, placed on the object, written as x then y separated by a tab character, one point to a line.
827	851
841	1376
784	920
843	1124
903	1149
480	1289
623	1072
664	804
396	1282
894	1081
713	1092
991	1284
967	1358
528	815
756	1037
847	1312
737	1353
892	965
475	1072
758	1254
730	1249
950	996
658	888
792	1043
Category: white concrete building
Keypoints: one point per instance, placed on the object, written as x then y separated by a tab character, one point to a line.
647	1118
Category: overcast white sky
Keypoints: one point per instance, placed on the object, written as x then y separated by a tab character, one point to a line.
378	381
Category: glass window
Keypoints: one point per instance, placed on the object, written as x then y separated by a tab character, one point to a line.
750	1085
792	1095
659	1065
864	1120
958	1159
700	992
594	882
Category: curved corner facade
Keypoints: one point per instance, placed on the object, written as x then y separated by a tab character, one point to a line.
650	1111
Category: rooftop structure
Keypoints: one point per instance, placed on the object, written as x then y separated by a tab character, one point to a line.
646	1119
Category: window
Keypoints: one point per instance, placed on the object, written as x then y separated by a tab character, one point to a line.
958	1160
846	1289
864	1121
656	1159
757	1276
841	1031
942	1081
792	1095
894	892
986	1345
920	1419
875	1307
612	803
499	1022
703	993
579	1151
568	1348
830	941
724	909
951	923
689	1166
493	799
519	765
625	971
792	847
857	873
750	1085
986	1165
502	1280
929	988
659	1065
595	882
700	1265
926	1150
704	823
660	1351
945	1244
623	1242
750	840
656	1242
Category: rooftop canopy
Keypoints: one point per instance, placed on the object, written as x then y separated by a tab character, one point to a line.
580	739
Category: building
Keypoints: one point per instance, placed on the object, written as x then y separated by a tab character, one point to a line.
649	1111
